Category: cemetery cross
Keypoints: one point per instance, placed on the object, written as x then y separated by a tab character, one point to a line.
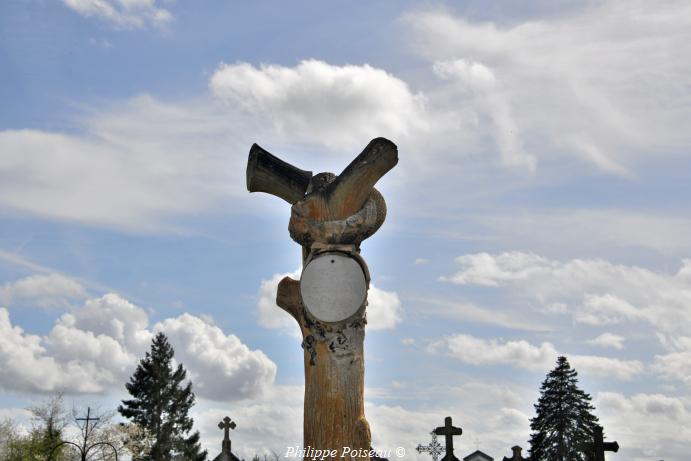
434	448
448	430
226	425
330	216
596	449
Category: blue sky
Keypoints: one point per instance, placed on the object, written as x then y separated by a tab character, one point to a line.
540	206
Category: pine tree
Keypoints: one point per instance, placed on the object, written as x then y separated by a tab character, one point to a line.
563	419
161	403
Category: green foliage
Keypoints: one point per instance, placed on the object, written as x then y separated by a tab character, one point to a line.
160	404
49	421
563	420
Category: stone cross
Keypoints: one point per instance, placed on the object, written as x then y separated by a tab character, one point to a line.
517	456
226	425
596	450
448	431
434	448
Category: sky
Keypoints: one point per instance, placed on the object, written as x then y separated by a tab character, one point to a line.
540	207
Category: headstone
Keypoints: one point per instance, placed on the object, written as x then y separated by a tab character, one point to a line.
434	448
226	425
448	431
595	451
516	456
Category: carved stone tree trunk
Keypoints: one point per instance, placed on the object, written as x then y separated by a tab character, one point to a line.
330	216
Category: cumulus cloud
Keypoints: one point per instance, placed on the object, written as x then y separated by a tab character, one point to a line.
50	290
648	426
593	291
522	354
338	106
27	366
595	84
94	348
608	340
478	351
125	14
221	366
384	309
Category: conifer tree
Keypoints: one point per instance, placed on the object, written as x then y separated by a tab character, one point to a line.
160	405
563	419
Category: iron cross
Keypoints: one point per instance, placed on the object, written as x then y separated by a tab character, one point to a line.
434	448
88	418
596	450
226	425
517	456
448	431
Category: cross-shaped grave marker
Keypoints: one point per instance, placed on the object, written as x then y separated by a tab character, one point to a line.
88	419
517	456
596	449
226	425
434	448
448	431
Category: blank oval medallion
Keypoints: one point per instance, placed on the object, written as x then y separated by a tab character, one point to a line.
333	287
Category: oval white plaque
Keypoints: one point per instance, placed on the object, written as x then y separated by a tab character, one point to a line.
333	287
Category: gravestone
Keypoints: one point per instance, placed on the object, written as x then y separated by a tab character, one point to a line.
448	431
516	455
595	450
330	216
226	455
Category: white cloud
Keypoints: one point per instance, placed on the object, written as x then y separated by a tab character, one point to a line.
52	290
674	365
134	166
605	309
126	14
592	365
95	348
646	426
384	309
608	340
338	106
221	366
27	366
522	354
270	423
595	291
595	83
488	270
478	351
487	96
269	314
